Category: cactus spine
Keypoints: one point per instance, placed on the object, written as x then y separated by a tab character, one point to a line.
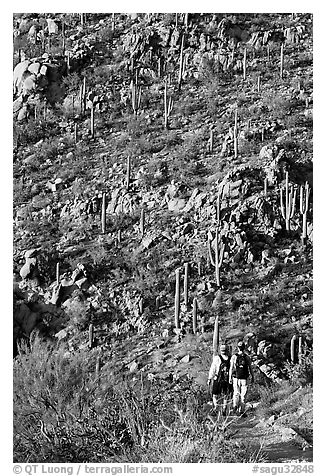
168	106
90	336
128	172
290	196
103	221
235	134
194	315
186	284
177	299
293	342
244	64
282	61
216	336
219	255
304	205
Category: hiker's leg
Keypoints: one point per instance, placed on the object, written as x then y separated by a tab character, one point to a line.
215	393
215	401
243	393
236	393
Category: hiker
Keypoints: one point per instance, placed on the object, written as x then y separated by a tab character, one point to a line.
240	368
219	374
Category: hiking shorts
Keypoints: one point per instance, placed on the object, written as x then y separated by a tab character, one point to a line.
220	387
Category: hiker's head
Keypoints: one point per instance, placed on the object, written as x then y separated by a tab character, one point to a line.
241	346
223	349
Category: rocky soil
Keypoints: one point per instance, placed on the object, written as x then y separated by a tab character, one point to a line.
113	192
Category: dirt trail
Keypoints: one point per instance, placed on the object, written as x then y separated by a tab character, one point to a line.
275	445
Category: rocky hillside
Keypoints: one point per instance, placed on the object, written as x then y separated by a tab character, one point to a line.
154	152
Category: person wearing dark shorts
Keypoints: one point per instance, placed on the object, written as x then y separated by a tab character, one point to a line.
219	375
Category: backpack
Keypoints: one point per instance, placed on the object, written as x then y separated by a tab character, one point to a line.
223	373
241	366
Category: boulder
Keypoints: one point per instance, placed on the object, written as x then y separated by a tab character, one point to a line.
176	205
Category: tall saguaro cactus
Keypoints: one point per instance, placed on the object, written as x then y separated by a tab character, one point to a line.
304	205
216	261
245	64
92	122
235	134
293	345
181	63
91	336
216	336
177	299
58	273
287	210
211	139
136	92
128	172
186	284
194	315
103	218
258	83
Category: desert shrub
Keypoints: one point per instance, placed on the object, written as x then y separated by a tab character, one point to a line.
78	311
301	373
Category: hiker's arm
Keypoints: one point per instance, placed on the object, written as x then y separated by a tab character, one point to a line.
213	370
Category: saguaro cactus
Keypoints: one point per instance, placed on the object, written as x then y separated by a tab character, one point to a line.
244	64
258	83
157	303
186	284
103	220
92	122
300	352
219	247
58	273
168	106
128	172
194	315
290	196
235	134
293	345
181	63
216	336
90	336
211	139
177	299
136	92
141	306
282	61
304	205
265	186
